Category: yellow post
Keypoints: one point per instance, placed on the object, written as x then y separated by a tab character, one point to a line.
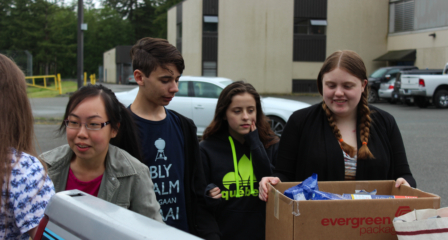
45	82
34	82
85	78
94	78
60	85
55	82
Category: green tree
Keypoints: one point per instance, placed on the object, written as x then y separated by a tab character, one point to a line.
63	29
49	30
161	18
106	30
147	17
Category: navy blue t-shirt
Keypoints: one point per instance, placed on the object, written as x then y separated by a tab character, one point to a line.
162	145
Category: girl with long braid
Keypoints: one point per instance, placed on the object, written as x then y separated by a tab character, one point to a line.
342	138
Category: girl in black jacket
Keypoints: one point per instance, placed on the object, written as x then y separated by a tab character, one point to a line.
238	149
342	138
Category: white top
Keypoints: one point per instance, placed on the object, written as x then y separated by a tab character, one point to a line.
30	189
350	166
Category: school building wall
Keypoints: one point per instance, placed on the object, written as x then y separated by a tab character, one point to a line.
428	17
255	39
110	67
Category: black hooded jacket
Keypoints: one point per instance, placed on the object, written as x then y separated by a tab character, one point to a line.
237	217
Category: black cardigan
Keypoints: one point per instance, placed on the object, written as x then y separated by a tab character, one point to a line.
200	219
309	146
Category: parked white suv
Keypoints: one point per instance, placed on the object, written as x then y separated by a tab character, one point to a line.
197	98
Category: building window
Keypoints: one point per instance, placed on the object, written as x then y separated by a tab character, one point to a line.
179	31
179	37
309	26
179	27
401	16
210	46
304	86
209	69
210	24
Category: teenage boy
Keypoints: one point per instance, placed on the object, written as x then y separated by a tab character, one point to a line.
169	142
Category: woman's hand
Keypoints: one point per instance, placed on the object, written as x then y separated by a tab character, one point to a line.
215	193
252	126
401	181
263	186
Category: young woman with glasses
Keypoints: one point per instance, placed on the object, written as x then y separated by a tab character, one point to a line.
26	187
102	154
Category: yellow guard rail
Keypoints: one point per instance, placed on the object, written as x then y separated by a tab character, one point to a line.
57	82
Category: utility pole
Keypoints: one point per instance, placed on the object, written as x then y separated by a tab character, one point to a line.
80	55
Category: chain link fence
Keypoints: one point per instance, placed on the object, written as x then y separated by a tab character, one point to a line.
22	58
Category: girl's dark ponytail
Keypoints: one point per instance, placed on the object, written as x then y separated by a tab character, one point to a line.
127	136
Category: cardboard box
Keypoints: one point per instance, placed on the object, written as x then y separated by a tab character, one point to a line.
287	219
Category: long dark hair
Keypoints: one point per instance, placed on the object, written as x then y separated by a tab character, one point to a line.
119	117
351	62
267	136
16	119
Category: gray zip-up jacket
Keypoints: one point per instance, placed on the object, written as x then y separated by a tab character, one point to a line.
126	181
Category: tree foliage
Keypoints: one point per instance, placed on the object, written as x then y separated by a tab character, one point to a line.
48	30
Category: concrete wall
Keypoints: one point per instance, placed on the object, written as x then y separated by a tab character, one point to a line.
305	70
255	43
171	24
255	39
192	37
110	67
431	52
361	26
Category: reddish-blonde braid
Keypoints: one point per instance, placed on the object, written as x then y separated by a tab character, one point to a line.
347	148
364	127
352	63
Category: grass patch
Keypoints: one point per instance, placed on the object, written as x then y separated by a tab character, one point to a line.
67	86
47	121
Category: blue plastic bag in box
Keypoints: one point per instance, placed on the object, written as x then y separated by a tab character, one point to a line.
304	190
309	190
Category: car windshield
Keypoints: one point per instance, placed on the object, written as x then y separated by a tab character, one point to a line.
378	73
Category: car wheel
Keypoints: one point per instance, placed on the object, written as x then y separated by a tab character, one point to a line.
373	95
392	100
421	102
409	102
441	99
277	125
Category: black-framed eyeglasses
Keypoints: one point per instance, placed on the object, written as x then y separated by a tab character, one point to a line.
90	125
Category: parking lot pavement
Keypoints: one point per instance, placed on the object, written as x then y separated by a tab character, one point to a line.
118	87
55	107
48	107
423	131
